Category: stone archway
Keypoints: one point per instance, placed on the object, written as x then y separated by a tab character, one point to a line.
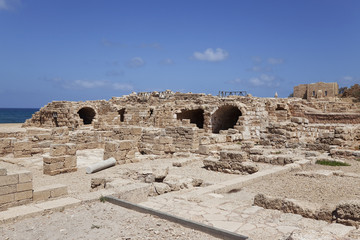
87	114
196	116
225	117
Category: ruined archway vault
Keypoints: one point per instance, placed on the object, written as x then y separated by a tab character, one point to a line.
225	117
195	116
87	114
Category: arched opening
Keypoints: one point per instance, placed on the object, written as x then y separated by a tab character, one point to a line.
224	118
196	116
87	114
122	114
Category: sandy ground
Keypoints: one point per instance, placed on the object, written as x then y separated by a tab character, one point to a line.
107	221
79	182
97	221
327	190
11	127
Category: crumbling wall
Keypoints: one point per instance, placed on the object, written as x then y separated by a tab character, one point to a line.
15	188
61	159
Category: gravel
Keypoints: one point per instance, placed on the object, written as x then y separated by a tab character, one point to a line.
98	221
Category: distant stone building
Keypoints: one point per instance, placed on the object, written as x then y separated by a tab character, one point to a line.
316	90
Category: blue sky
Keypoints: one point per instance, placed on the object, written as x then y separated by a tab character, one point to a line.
87	50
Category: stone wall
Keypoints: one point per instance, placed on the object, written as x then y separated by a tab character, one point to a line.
15	188
62	159
210	113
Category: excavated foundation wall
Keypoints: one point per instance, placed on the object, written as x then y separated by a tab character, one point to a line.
252	117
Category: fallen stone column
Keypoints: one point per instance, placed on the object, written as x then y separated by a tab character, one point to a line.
101	165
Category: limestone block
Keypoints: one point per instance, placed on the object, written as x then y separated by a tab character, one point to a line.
219	138
256	151
41	137
24	176
223	132
9	179
126	144
204	150
51	160
233	156
98	183
349	210
7	189
247	144
40	195
7	198
44	144
60	131
158	147
309	210
161	188
3	171
58	150
70	149
135	131
22	146
165	140
204	140
23	195
234	137
130	154
169	148
70	161
24	186
52	167
135	193
111	146
160	173
177	182
232	131
58	190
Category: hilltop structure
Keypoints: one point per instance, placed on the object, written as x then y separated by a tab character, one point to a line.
317	90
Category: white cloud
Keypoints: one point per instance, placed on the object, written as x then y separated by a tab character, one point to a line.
151	45
349	80
136	62
262	80
109	43
211	55
3	5
260	69
256	59
122	86
90	84
275	61
9	4
235	81
167	61
114	73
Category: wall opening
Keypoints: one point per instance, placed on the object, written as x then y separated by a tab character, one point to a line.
122	114
224	118
196	116
87	114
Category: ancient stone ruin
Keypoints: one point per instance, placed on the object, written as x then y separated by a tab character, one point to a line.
244	139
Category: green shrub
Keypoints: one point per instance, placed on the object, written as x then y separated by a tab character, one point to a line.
331	163
102	199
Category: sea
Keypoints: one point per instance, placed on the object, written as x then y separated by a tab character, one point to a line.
16	115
